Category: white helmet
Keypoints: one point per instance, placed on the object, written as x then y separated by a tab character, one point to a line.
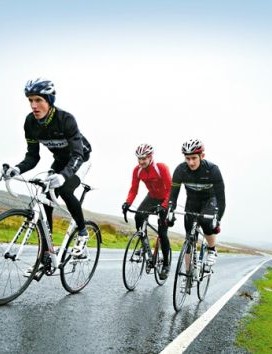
144	150
192	146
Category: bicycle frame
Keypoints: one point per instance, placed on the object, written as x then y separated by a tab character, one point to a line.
191	266
27	250
38	211
138	254
145	237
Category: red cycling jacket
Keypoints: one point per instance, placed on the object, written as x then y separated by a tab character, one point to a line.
157	179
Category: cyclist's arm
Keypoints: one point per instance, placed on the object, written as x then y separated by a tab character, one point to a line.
32	156
175	187
167	182
134	186
219	189
72	134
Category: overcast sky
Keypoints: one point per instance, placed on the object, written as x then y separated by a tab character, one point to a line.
150	71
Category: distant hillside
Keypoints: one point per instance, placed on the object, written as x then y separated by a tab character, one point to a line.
114	224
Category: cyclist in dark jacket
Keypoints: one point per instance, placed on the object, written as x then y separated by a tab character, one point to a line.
204	188
58	131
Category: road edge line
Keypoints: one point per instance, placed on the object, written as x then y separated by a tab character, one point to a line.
182	341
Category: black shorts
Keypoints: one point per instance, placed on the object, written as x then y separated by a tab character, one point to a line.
205	207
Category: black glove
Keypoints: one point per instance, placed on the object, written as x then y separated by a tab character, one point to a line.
125	207
160	209
171	221
10	171
217	228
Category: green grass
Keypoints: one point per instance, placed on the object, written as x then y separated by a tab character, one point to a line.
256	327
111	236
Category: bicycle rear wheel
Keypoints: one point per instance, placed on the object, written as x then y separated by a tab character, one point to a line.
77	271
20	249
159	264
205	273
133	262
182	282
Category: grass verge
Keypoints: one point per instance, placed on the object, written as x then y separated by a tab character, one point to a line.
255	330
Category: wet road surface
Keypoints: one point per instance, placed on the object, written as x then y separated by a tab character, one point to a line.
105	318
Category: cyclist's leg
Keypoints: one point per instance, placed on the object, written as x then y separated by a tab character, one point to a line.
165	244
148	204
73	205
209	207
193	206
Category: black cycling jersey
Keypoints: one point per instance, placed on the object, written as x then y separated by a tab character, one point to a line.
60	134
202	184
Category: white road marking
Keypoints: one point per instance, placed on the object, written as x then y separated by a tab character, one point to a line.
181	343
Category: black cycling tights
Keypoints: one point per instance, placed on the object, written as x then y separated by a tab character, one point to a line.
73	205
149	204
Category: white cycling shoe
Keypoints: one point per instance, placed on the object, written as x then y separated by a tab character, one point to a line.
211	258
80	245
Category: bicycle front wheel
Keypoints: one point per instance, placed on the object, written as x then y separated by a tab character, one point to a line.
182	282
204	277
159	263
77	271
133	262
20	250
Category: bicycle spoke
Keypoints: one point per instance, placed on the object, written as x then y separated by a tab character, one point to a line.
78	270
133	262
182	282
17	254
204	278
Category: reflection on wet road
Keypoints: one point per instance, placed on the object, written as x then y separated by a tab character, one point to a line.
105	318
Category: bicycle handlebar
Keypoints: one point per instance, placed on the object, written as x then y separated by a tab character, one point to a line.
36	181
205	216
147	213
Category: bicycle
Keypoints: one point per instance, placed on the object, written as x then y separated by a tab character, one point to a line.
191	267
139	253
26	245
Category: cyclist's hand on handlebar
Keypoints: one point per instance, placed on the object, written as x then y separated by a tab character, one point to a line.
217	228
9	171
171	220
160	209
56	180
125	207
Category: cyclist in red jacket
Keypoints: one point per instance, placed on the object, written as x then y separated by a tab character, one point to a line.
157	178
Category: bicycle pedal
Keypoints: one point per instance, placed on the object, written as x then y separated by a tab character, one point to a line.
38	275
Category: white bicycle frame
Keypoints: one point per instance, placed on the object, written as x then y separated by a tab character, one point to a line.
37	206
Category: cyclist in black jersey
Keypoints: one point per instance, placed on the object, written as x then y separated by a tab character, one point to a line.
205	191
58	131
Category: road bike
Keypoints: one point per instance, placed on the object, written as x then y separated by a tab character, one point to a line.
27	251
140	255
192	268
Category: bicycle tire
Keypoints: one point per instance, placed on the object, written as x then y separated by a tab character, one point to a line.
159	264
77	271
183	281
204	277
13	282
133	264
